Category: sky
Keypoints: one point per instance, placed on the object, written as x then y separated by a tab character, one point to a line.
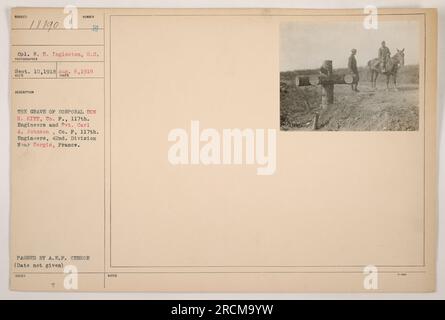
305	45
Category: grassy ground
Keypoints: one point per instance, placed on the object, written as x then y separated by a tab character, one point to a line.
367	110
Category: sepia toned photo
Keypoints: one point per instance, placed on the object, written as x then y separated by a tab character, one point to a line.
341	76
144	153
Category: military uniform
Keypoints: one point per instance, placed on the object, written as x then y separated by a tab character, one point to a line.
352	66
384	54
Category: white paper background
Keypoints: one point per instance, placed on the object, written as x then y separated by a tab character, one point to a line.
5	6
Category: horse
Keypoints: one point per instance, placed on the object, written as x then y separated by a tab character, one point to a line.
392	66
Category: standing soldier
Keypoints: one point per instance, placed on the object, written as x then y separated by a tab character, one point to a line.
384	55
352	66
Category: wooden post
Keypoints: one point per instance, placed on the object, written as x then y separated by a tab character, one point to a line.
315	122
327	89
326	79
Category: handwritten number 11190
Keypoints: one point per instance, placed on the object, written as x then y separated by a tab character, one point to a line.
44	25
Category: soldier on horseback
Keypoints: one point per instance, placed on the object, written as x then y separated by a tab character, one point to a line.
387	65
384	55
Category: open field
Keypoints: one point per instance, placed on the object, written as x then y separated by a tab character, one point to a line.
367	110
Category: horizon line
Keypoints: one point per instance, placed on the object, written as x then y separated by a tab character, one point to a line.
316	68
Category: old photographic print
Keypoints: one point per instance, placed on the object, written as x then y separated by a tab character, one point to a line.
340	76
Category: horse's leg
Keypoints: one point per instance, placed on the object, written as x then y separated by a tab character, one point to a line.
376	75
395	81
387	81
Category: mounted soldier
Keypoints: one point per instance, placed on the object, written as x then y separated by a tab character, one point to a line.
384	55
387	65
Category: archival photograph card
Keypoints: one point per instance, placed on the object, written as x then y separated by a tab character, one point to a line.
223	150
